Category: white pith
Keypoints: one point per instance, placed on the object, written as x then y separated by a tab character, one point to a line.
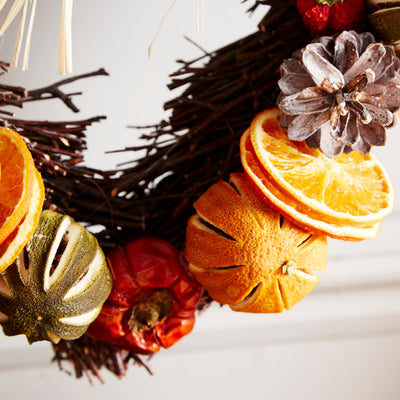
4	288
82	319
93	271
66	224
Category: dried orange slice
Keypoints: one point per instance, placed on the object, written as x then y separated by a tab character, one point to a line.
15	242
345	197
290	207
16	182
246	255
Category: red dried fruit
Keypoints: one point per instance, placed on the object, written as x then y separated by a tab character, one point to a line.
325	17
153	300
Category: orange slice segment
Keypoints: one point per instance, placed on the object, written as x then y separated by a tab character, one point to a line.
290	207
16	182
352	189
15	242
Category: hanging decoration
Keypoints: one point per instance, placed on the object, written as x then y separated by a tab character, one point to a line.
218	207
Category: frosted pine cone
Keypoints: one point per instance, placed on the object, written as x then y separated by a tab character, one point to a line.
340	93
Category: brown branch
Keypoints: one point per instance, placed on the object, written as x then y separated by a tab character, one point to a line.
222	91
53	90
88	357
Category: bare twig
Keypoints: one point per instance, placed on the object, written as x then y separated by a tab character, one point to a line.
53	90
222	91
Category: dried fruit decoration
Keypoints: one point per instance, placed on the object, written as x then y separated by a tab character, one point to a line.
323	17
345	197
385	16
246	254
340	93
19	182
58	283
153	300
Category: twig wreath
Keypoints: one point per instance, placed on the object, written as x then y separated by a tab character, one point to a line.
184	225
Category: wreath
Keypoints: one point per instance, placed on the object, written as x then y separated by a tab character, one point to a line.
266	153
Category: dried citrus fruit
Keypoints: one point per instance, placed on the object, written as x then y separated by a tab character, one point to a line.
16	182
350	188
246	254
57	285
17	239
289	205
348	191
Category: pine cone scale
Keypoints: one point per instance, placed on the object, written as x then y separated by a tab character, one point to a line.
305	125
350	132
370	59
323	73
374	134
295	82
346	52
308	101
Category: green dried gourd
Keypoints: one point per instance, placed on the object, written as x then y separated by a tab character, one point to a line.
57	285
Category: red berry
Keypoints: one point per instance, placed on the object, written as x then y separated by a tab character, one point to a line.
316	19
323	17
347	15
304	5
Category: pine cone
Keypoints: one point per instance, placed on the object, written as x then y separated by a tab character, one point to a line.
339	93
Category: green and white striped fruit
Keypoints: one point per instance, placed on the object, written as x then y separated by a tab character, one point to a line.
57	285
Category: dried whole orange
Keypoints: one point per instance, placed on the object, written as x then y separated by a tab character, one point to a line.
345	197
246	255
16	180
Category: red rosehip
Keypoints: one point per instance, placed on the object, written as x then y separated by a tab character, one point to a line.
326	17
347	15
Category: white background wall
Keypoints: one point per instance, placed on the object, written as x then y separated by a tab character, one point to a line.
342	341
